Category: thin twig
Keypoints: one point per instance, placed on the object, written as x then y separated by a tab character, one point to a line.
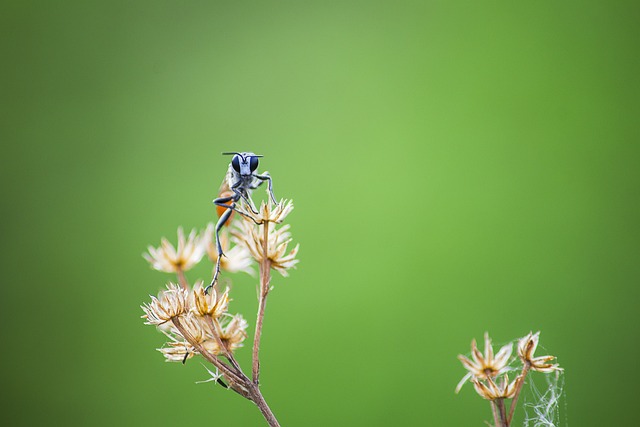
502	412
265	279
182	279
258	399
494	410
525	371
216	330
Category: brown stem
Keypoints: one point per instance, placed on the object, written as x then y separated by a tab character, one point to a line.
502	412
265	279
217	333
494	410
258	399
182	280
525	371
238	381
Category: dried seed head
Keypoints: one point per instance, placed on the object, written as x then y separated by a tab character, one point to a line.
234	332
210	304
171	260
493	391
278	239
177	352
269	213
237	258
232	336
527	346
487	366
195	329
192	331
170	303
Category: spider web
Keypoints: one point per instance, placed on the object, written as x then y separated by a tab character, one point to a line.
542	409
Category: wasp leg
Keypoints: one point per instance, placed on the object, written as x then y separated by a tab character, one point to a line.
245	196
222	202
221	221
266	177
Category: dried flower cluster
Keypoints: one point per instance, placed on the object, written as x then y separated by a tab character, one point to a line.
252	236
489	373
196	320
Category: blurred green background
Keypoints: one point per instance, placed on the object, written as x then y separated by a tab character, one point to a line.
457	167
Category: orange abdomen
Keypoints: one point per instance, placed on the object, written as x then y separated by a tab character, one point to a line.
220	210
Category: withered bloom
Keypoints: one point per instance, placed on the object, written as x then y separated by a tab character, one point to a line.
252	236
493	391
168	259
485	366
170	303
527	346
236	258
210	304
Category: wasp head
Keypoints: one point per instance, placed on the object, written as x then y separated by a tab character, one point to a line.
244	163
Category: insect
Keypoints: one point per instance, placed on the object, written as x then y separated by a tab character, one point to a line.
242	177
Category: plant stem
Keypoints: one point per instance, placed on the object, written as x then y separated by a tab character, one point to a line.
494	410
502	412
227	371
217	333
258	399
239	382
182	279
512	409
265	279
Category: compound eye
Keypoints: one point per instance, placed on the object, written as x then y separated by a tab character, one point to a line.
235	162
253	165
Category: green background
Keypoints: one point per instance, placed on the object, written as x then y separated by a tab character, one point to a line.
456	167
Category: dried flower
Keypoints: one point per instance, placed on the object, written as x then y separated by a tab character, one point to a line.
197	328
171	260
527	346
268	213
237	258
234	332
232	335
252	236
210	304
180	348
170	303
492	391
487	366
177	352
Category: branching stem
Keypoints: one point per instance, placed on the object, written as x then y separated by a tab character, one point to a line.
258	399
216	330
231	374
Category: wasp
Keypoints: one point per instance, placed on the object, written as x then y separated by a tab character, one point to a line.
241	178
